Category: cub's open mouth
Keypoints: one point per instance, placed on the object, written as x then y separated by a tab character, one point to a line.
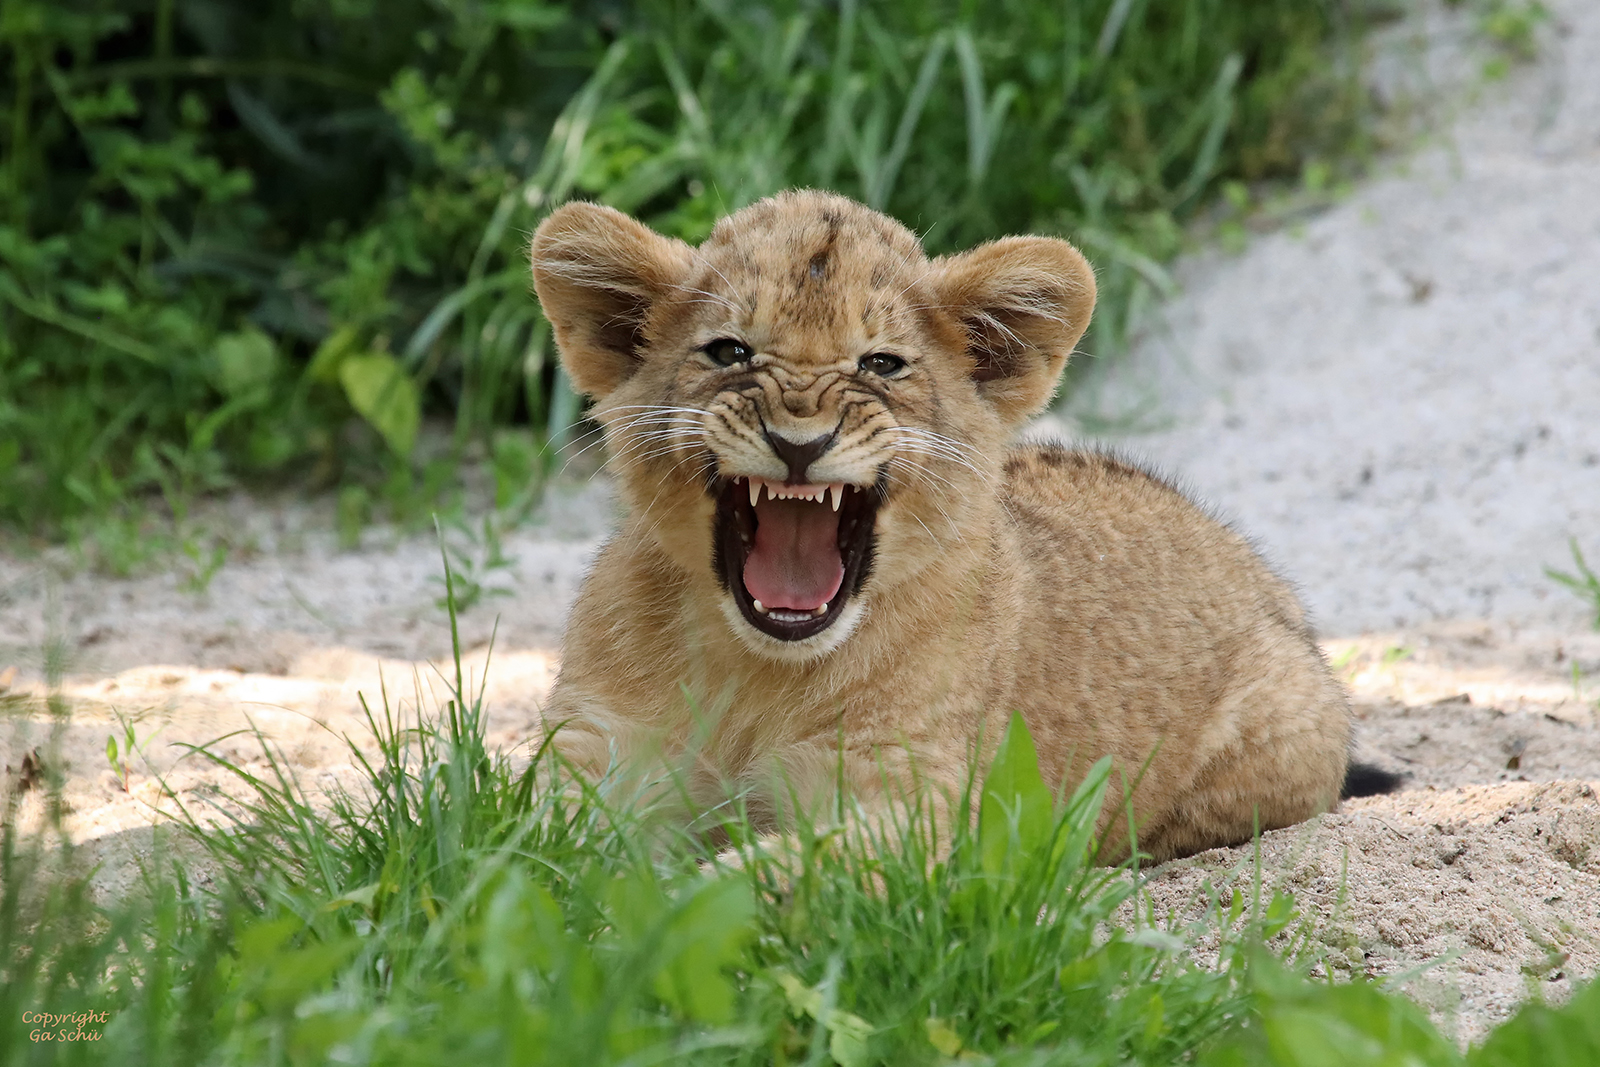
792	555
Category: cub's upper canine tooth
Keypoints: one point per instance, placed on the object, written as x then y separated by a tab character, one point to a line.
755	491
760	607
837	490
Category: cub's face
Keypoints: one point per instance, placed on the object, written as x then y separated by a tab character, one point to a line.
805	411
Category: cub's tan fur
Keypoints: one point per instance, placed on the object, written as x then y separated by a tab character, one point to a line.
1088	595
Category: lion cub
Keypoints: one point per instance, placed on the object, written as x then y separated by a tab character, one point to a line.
833	566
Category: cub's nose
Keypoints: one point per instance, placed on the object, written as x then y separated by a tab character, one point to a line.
799	455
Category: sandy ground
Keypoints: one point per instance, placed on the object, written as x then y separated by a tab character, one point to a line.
1398	397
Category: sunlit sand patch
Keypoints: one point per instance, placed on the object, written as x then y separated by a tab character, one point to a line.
305	715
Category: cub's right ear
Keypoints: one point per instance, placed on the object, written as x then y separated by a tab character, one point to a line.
597	273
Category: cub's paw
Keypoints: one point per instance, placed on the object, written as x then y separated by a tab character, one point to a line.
782	848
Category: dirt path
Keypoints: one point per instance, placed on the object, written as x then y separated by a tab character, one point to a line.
1400	398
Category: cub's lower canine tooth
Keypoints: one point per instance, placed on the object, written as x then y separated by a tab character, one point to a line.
837	491
760	607
755	491
820	612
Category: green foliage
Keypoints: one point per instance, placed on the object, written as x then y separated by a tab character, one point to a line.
1307	1024
900	945
121	757
1511	25
1312	1024
1583	582
1015	814
385	396
1541	1036
271	240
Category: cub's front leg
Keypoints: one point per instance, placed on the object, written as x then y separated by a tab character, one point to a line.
865	799
605	746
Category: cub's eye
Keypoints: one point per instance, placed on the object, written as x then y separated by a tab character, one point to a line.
725	352
882	364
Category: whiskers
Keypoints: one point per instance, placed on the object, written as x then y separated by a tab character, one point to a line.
912	447
913	441
643	432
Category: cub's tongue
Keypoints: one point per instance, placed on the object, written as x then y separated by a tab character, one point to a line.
795	562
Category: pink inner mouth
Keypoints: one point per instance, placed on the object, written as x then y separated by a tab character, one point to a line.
795	563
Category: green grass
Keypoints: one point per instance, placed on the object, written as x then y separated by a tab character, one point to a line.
265	243
1581	580
458	907
459	904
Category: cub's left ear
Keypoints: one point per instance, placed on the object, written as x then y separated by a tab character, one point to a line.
1022	302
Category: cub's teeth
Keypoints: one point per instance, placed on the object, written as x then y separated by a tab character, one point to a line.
816	493
820	612
761	608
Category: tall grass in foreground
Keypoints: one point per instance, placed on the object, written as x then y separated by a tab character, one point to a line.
459	908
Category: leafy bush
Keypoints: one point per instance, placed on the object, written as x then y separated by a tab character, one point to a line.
267	240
